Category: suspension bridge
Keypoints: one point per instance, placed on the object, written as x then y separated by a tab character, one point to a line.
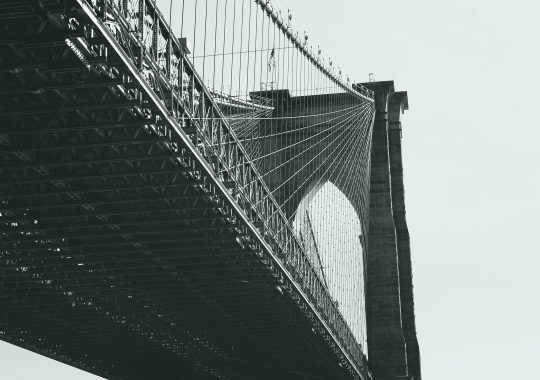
190	190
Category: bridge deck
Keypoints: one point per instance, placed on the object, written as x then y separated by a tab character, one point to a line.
117	254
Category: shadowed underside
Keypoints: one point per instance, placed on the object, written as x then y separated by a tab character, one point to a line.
119	255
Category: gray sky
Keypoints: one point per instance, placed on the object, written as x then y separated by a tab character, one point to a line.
469	138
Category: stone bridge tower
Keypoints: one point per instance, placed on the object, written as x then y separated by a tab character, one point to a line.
378	200
392	344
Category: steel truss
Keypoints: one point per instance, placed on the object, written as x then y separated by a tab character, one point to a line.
123	187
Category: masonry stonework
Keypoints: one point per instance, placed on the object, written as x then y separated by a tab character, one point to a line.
392	343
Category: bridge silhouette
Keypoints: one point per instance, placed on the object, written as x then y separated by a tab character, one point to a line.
168	205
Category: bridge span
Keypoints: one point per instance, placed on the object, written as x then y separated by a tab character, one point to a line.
159	215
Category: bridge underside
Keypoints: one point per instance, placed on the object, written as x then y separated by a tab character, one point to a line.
118	256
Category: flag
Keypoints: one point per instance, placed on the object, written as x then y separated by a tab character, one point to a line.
272	59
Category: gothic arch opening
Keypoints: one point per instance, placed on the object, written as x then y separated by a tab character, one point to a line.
329	227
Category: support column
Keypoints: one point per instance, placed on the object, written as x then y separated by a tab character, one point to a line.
398	103
386	341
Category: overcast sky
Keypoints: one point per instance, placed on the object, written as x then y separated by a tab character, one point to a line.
470	145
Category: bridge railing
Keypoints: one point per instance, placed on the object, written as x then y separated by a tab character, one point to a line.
156	71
